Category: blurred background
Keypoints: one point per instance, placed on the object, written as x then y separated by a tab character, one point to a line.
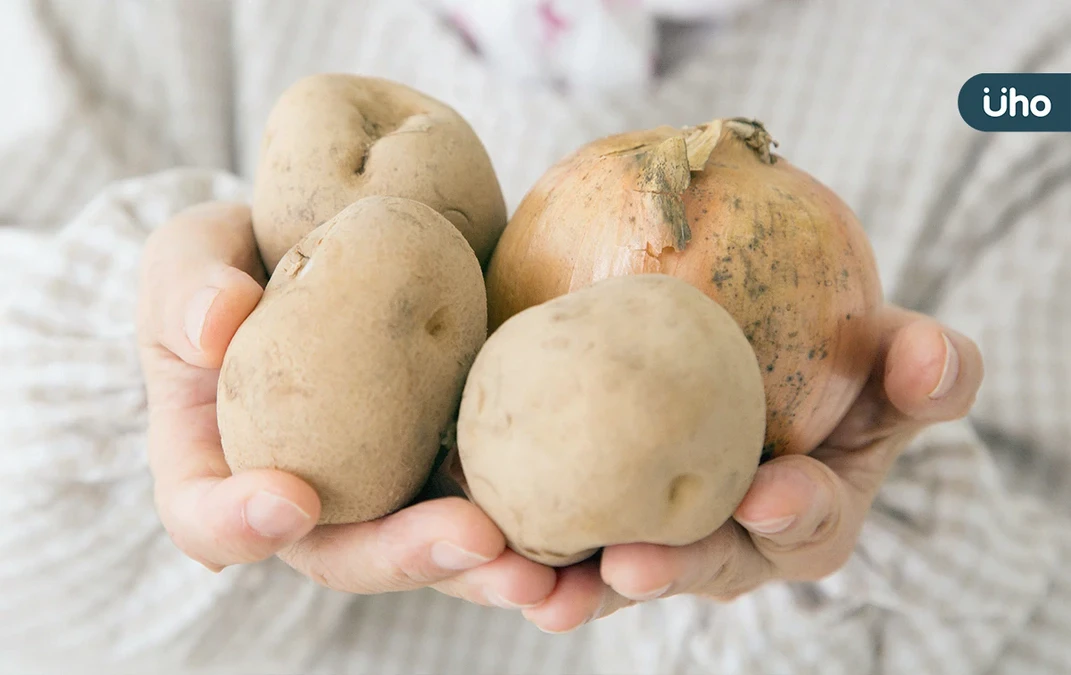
970	227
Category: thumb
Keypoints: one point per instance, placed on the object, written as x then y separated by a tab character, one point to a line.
201	277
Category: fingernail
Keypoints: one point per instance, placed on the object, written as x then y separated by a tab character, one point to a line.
274	517
949	373
771	526
555	632
498	601
196	311
649	595
450	556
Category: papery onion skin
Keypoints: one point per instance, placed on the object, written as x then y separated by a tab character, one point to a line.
780	251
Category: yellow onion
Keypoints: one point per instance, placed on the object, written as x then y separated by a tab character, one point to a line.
714	206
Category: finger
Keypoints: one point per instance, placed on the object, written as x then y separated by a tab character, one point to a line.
802	517
789	499
419	546
723	565
201	277
799	521
804	513
923	373
510	581
213	517
199	281
579	597
932	374
788	510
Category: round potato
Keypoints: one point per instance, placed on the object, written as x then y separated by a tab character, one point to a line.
332	139
630	411
349	371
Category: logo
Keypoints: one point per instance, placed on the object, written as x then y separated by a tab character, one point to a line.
1017	102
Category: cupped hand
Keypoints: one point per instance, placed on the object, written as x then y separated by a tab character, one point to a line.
201	277
802	516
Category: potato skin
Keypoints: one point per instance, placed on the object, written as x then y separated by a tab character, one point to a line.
349	370
332	139
629	411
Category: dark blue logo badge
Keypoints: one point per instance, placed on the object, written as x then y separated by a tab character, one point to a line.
1017	102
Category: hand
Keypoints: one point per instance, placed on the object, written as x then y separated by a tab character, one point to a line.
201	277
803	514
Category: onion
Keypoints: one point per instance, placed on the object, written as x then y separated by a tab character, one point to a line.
714	206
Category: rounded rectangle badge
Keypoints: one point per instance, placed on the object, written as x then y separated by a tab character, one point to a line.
1017	102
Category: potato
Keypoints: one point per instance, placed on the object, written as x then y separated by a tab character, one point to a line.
629	411
332	139
349	371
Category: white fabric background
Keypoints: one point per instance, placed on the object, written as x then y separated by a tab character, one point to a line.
963	565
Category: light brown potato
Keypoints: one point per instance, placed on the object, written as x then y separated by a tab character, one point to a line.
349	371
332	139
630	411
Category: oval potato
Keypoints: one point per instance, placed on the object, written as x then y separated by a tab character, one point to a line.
630	411
349	370
332	139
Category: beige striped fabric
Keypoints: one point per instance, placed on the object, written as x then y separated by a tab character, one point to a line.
118	113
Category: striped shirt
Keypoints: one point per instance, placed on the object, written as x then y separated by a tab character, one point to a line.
117	114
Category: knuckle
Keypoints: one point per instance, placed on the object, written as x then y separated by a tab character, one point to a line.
325	575
401	563
729	576
165	513
153	288
827	528
728	585
191	543
184	543
716	580
411	573
357	574
308	558
814	557
157	247
456	588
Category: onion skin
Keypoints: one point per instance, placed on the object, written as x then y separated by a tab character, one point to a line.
711	205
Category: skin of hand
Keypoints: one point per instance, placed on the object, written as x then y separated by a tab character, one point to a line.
803	514
201	276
